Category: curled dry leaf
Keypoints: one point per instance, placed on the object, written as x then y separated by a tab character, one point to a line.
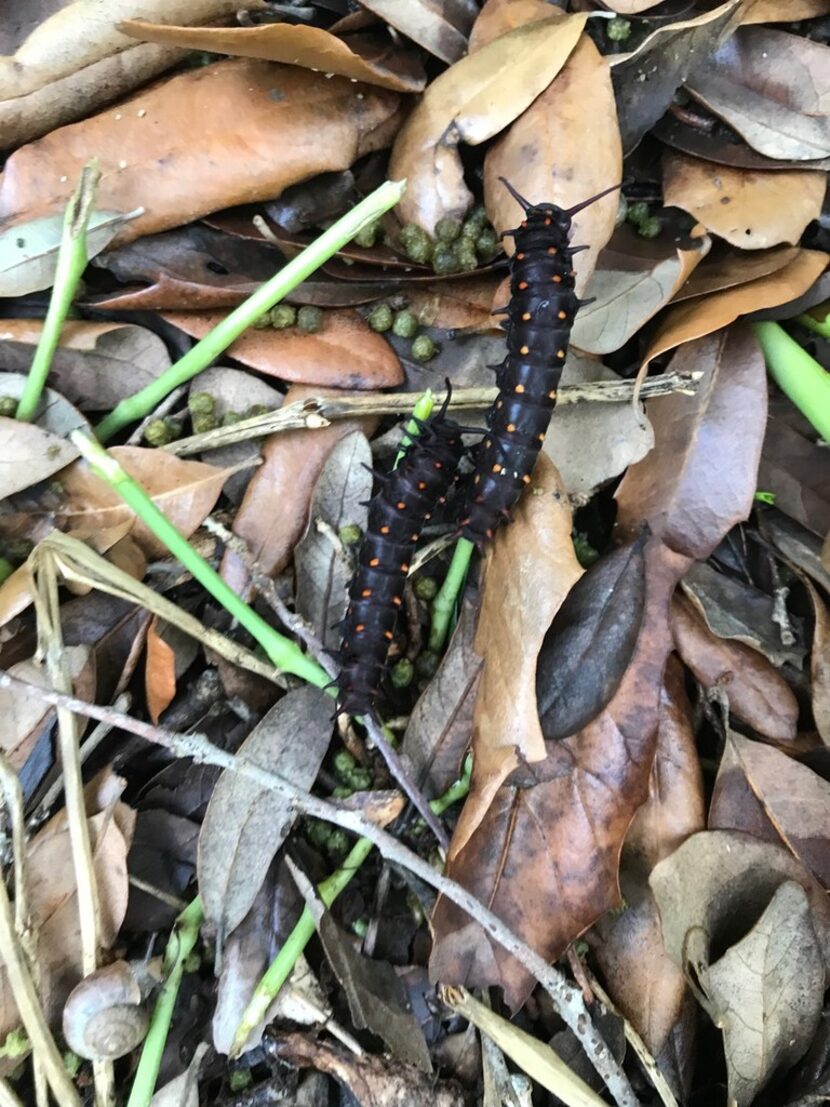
545	854
31	455
632	281
148	160
820	665
274	511
322	566
531	566
763	792
441	27
706	314
543	155
757	694
646	80
497	17
762	991
364	57
96	364
346	353
645	984
727	268
441	723
470	102
700	478
245	824
773	88
748	208
591	443
82	33
589	644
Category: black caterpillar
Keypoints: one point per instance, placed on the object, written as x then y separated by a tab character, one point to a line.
540	316
407	499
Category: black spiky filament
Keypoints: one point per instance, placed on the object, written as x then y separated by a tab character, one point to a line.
541	313
407	498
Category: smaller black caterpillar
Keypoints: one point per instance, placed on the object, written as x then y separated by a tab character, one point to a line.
406	500
540	316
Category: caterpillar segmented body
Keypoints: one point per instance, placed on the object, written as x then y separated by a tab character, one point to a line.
406	501
540	316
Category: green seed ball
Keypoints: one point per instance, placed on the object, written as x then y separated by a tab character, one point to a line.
230	418
618	29
426	588
337	845
650	228
282	316
262	322
478	217
487	244
426	664
350	535
341	792
416	244
380	318
157	433
445	262
368	235
638	211
466	254
8	405
423	348
257	409
405	324
204	421
447	229
343	762
402	673
310	319
201	403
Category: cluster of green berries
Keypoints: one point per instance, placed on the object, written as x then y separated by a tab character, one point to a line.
8	406
203	417
403	672
639	215
458	246
403	324
307	318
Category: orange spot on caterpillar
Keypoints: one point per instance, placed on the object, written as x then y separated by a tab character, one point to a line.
400	505
373	564
561	315
520	257
397	600
560	353
526	316
522	285
387	634
359	629
496	468
439	465
556	278
524	350
421	485
552	395
525	479
404	568
384	530
519	388
511	427
366	593
552	251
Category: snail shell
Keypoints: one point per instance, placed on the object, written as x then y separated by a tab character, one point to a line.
104	1017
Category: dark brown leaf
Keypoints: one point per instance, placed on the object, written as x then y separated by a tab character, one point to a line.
589	644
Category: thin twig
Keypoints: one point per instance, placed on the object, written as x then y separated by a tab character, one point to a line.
167	404
317	412
566	999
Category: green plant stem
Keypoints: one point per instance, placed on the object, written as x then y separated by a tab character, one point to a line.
72	259
281	651
213	344
283	964
797	374
180	945
445	601
817	320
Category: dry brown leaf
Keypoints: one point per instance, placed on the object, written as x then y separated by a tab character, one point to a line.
545	855
630	7
543	155
706	314
700	478
274	511
772	88
497	17
531	566
757	694
749	208
644	983
794	469
465	302
820	665
632	281
184	490
365	57
81	33
763	792
346	353
30	454
148	159
96	364
470	102
726	268
159	672
440	26
782	11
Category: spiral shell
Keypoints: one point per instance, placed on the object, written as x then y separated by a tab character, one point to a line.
104	1017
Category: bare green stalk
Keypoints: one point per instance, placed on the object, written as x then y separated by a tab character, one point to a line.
444	604
817	320
797	374
217	341
72	259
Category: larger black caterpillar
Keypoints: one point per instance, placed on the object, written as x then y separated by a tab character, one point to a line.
408	496
540	316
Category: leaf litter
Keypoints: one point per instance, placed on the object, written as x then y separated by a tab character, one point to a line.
624	727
